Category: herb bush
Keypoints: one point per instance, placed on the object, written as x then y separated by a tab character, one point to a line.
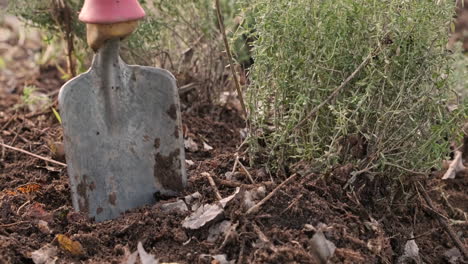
392	116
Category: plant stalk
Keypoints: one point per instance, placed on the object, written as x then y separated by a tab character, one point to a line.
231	61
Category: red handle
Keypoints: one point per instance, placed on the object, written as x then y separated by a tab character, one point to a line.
110	11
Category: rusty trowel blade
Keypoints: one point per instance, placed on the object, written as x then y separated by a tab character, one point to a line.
122	136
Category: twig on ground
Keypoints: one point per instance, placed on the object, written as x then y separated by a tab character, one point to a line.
33	155
257	206
213	185
240	259
357	173
264	238
230	236
13	117
443	222
246	172
229	54
234	184
13	224
3	150
455	166
234	167
293	202
22	206
336	91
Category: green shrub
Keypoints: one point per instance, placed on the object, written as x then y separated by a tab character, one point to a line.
392	115
179	35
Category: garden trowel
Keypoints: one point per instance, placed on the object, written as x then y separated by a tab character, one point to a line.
121	123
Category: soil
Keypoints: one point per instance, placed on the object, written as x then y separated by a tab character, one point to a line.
371	221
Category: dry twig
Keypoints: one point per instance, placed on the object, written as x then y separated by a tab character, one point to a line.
246	172
264	238
257	206
229	54
33	155
213	185
443	222
13	224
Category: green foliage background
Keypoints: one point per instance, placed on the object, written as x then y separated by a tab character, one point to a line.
393	116
169	26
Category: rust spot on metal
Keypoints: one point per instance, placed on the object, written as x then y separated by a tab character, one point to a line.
176	131
172	112
81	189
132	149
146	138
167	170
99	210
92	186
157	143
112	198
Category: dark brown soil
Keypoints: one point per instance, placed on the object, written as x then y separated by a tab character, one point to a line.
369	222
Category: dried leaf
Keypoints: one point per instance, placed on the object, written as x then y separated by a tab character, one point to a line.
217	259
29	188
45	255
453	255
11	193
410	254
204	215
190	145
37	211
74	247
226	200
208	213
43	227
145	257
455	166
207	147
322	247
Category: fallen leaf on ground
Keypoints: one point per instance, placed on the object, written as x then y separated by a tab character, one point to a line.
455	166
190	145
45	255
207	147
410	253
204	215
29	188
208	213
226	200
145	258
252	196
37	211
44	227
322	247
216	259
10	192
453	255
73	247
